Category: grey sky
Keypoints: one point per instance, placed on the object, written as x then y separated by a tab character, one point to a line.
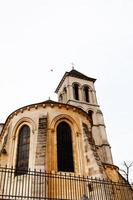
36	36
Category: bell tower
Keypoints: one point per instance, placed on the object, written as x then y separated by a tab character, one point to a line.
78	90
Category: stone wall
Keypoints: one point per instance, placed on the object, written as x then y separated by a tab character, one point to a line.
94	164
40	158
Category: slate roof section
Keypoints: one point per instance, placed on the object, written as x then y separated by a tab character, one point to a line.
76	74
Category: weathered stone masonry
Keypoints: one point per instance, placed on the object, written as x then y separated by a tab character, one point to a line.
40	159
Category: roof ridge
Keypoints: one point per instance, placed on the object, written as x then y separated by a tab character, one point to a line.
74	73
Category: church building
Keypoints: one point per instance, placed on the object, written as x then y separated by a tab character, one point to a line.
66	136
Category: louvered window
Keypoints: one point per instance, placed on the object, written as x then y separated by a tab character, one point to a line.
76	91
86	94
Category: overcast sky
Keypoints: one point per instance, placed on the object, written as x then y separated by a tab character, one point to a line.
97	35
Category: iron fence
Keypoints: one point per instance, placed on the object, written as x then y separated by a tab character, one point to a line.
39	185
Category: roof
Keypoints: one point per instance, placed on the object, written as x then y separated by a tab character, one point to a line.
36	105
74	73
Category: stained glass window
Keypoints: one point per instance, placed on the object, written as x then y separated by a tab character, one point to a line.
64	148
23	150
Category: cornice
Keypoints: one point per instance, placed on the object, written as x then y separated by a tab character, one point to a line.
44	104
102	145
112	166
97	125
83	102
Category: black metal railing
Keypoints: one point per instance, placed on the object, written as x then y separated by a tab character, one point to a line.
38	185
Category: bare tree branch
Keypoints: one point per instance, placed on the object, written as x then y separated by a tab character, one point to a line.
131	164
126	170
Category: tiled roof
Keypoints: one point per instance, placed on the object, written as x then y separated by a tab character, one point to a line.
77	74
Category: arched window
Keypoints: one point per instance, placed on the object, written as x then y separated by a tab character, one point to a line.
23	150
65	161
65	90
76	91
60	98
86	93
65	94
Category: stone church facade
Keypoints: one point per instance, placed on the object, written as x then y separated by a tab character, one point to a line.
68	135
